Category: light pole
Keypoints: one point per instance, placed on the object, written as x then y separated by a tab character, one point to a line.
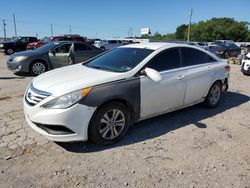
189	26
4	30
51	29
14	21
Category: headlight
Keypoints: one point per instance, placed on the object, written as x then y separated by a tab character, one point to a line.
1	45
19	58
67	100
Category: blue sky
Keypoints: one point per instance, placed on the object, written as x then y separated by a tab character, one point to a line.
113	18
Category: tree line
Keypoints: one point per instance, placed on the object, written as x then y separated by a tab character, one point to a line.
210	30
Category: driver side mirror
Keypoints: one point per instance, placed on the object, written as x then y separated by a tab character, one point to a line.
152	74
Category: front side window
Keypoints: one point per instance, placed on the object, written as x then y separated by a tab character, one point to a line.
191	56
119	59
63	48
166	60
23	40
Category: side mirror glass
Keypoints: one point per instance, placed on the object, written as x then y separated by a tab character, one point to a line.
153	74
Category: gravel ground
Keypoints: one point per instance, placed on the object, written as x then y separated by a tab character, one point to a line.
193	147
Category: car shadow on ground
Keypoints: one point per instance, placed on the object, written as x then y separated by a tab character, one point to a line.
17	76
160	125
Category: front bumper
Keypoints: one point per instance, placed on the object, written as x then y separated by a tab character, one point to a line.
245	67
17	66
245	71
76	119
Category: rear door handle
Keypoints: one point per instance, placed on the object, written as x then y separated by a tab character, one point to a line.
180	77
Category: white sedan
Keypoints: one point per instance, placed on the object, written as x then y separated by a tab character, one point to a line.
99	99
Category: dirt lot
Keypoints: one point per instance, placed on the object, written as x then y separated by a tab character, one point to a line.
194	147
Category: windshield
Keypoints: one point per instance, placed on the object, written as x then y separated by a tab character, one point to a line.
119	59
47	47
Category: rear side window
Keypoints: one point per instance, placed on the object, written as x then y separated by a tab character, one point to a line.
81	47
166	60
112	41
192	56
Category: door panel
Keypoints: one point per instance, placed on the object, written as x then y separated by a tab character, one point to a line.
163	96
81	56
198	82
59	59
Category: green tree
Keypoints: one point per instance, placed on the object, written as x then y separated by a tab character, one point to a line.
215	29
181	32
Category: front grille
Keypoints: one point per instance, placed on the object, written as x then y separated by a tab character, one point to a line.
33	96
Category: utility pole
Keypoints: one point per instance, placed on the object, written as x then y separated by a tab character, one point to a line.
4	30
131	32
189	26
51	29
70	30
14	20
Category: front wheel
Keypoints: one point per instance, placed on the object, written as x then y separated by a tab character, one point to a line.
109	124
38	68
9	51
214	94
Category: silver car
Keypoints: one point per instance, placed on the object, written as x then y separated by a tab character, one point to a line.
50	56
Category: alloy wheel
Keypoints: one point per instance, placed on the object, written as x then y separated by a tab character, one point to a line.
215	94
38	68
112	124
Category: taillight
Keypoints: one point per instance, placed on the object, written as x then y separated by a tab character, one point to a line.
227	68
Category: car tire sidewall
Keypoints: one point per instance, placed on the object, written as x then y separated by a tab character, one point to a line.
9	51
31	68
207	99
94	132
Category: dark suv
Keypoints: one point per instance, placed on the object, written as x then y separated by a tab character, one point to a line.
16	44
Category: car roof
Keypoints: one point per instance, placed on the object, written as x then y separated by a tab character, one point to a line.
154	45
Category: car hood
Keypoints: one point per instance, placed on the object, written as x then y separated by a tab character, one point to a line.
7	42
34	43
68	79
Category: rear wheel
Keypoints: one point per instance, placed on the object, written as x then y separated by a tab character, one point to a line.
109	124
102	48
37	68
214	94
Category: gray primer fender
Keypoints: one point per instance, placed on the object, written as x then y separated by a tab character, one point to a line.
127	90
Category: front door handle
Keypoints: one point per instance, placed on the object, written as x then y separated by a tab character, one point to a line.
180	77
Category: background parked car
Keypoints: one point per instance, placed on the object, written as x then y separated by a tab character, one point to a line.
16	45
107	44
202	45
38	44
50	56
34	45
225	50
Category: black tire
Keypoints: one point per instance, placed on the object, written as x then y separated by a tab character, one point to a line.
96	126
9	51
211	101
38	63
102	48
